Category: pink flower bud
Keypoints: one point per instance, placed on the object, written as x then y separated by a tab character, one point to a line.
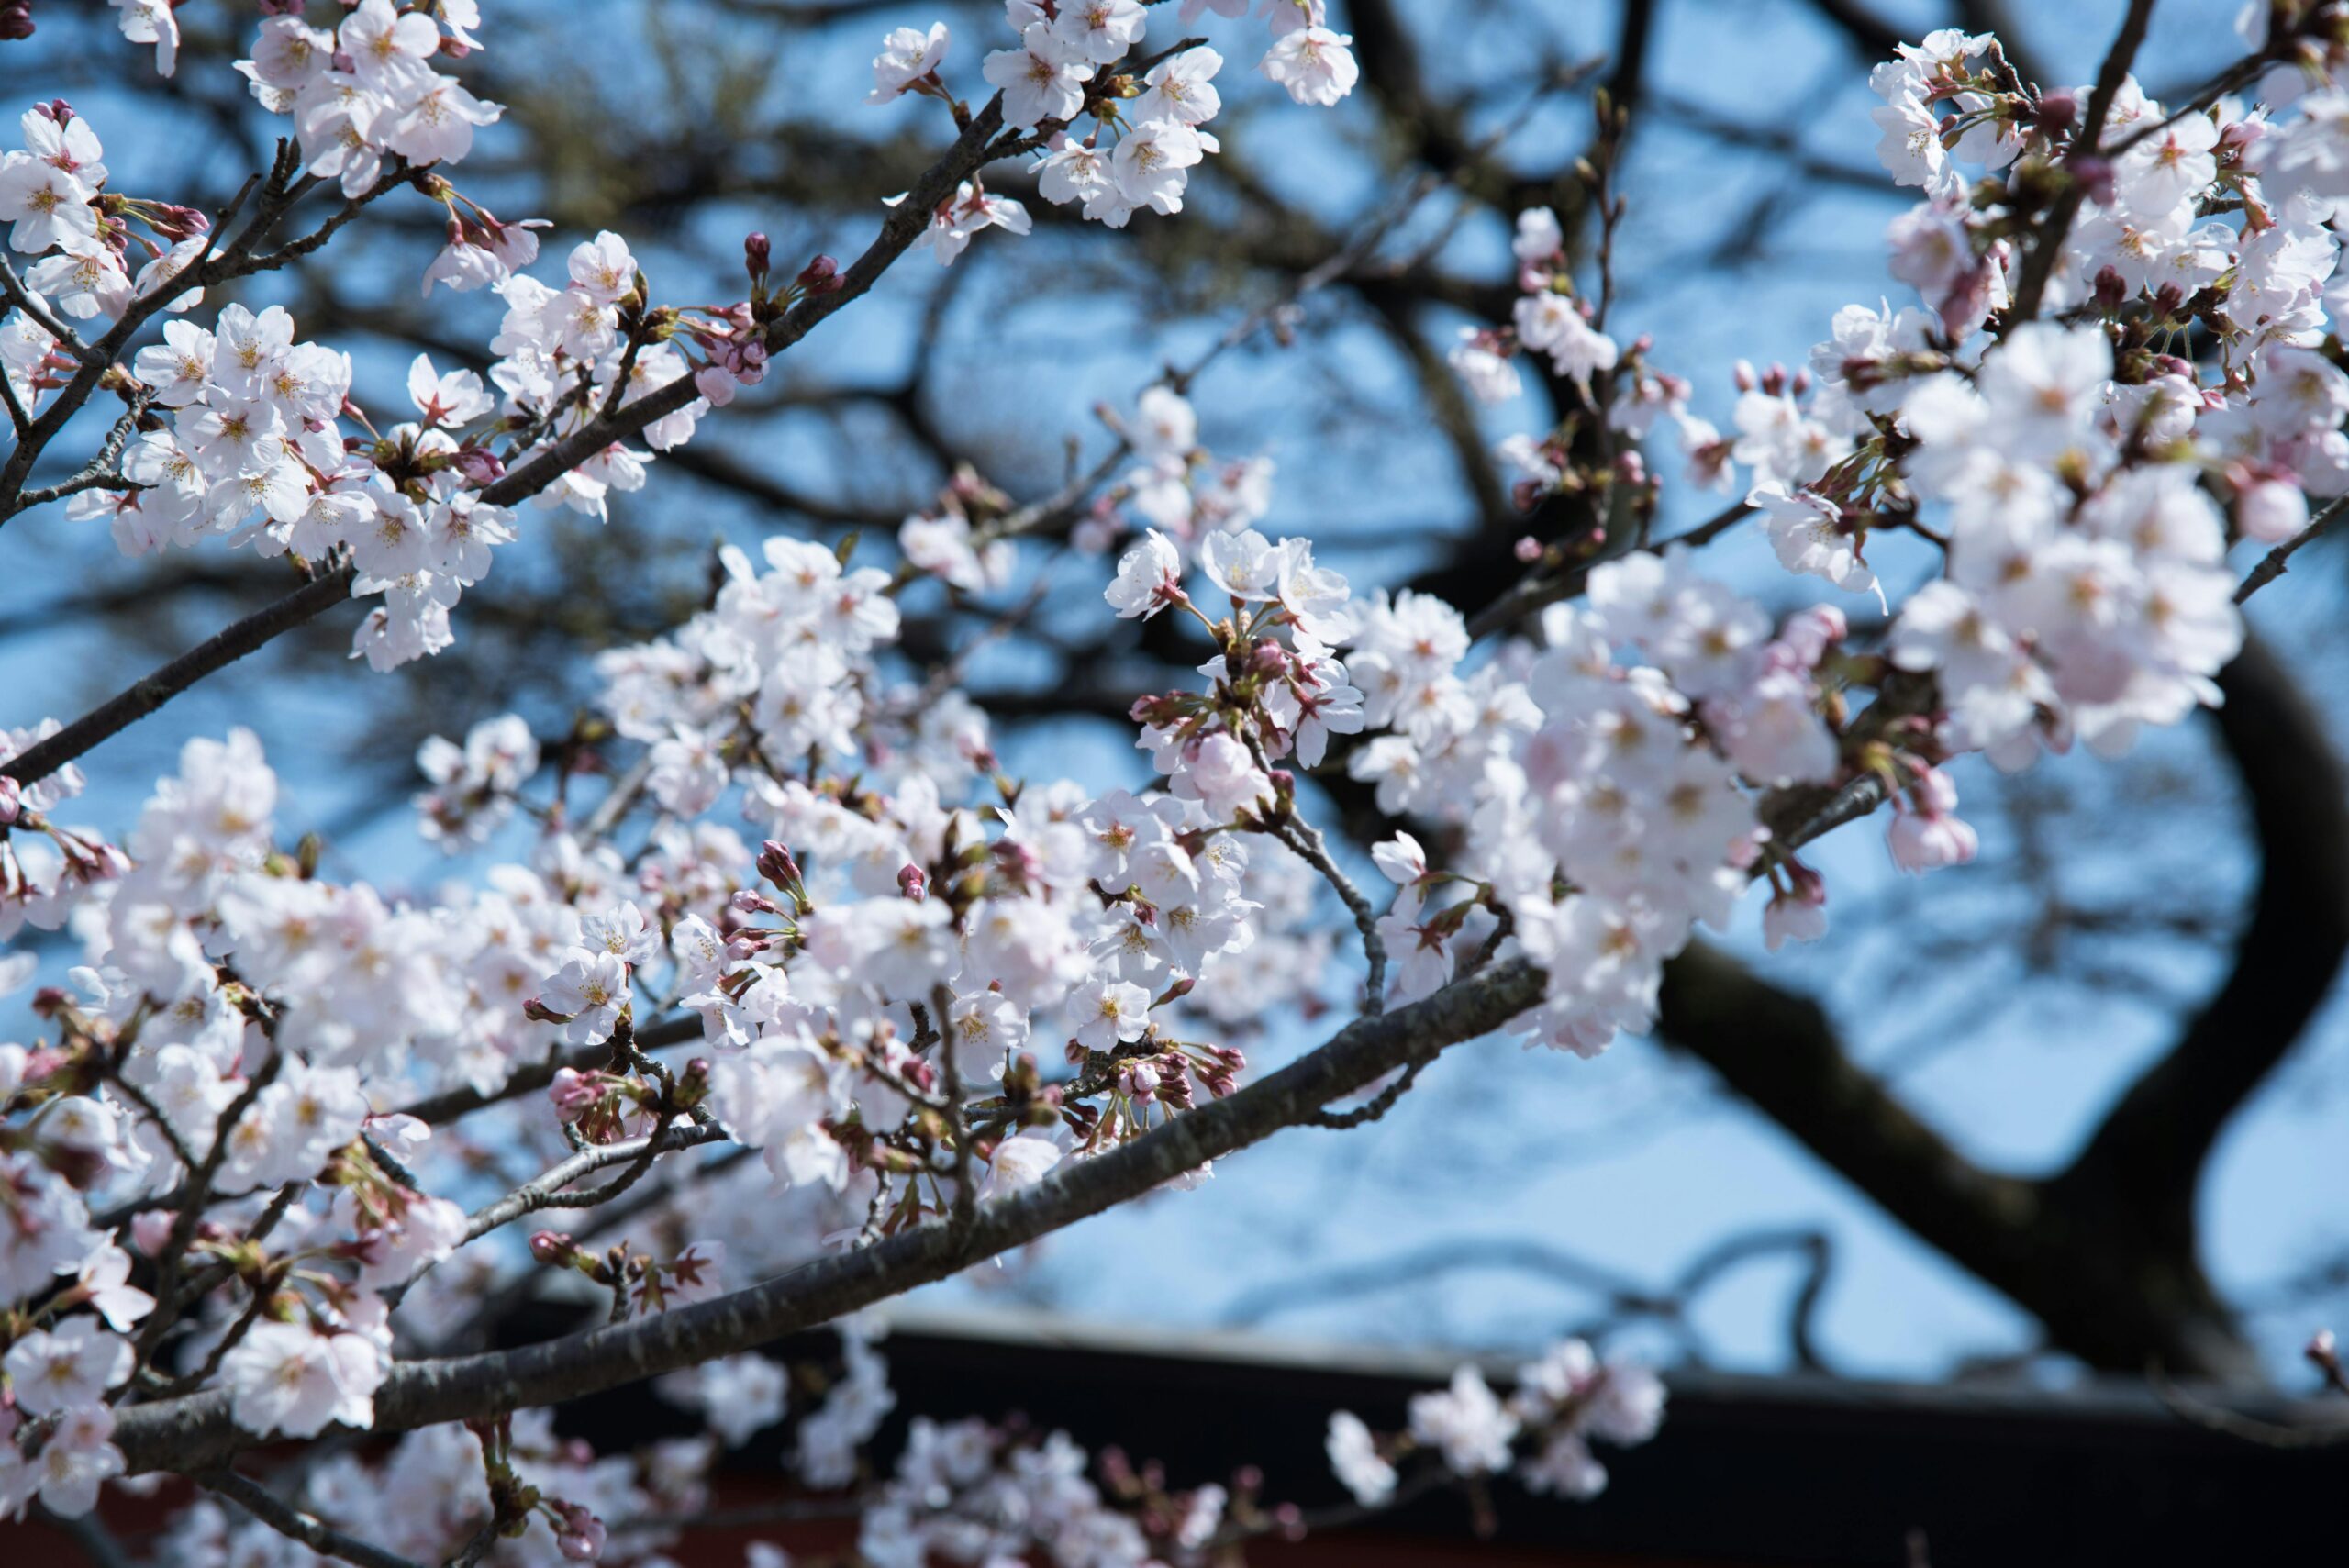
580	1535
2058	108
1921	843
150	1229
1528	550
479	464
1788	919
1935	795
776	865
2271	511
756	255
177	222
573	1094
551	1246
821	275
913	883
717	384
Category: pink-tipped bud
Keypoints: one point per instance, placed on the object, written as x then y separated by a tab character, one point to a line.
1528	550
479	464
821	275
914	882
150	1229
174	222
756	255
2058	108
776	865
551	1247
573	1093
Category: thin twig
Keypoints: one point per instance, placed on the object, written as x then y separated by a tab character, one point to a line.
296	1525
104	471
1306	841
24	299
96	1541
2271	565
2216	1418
196	1194
1539	589
547	1191
2040	265
120	712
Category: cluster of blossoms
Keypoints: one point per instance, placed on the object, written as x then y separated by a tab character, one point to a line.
1149	132
53	195
2081	479
877	988
240	1025
366	91
1601	803
2091	477
895	915
255	449
1562	1401
438	1486
1177	486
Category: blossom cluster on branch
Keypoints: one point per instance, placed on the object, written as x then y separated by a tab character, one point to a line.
923	991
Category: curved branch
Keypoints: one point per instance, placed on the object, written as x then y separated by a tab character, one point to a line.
2105	1254
1781	1052
2152	1146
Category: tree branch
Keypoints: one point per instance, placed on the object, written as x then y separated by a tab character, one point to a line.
224	648
2151	1148
296	1525
196	1433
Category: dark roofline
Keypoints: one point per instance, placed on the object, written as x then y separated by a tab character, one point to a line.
1748	1470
